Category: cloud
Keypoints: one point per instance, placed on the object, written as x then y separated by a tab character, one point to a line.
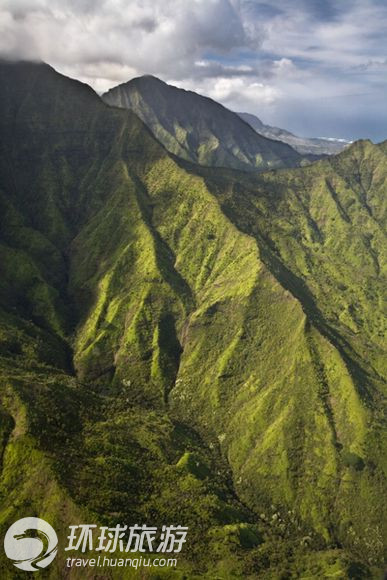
158	36
282	59
372	65
236	92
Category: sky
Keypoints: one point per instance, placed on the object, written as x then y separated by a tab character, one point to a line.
315	67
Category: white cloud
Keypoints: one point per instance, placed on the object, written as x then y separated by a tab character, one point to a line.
235	92
279	58
357	30
162	37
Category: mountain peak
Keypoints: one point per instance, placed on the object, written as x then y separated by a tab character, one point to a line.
23	62
198	128
361	145
36	86
148	78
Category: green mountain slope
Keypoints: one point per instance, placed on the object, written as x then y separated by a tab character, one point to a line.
198	129
189	345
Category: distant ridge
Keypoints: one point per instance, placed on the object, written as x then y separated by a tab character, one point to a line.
304	145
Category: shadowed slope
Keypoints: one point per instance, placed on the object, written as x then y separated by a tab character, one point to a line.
198	129
200	346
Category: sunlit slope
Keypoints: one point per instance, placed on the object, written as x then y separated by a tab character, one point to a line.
199	345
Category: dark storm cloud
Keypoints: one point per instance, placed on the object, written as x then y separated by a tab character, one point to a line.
311	65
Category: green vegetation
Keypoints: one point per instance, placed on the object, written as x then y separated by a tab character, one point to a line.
181	344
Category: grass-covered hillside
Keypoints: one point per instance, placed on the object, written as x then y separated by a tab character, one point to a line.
199	129
189	345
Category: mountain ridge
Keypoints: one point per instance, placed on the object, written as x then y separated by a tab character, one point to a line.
225	359
198	128
304	145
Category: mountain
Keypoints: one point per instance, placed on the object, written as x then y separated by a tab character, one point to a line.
303	145
197	128
189	345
